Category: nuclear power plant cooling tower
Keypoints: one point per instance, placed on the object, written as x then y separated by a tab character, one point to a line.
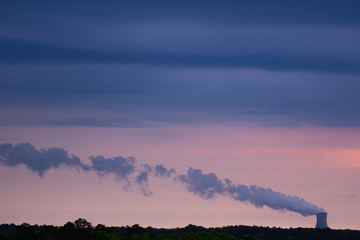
321	220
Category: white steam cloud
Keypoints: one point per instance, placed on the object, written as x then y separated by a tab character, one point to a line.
208	185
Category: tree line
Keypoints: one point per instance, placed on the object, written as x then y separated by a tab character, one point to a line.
81	229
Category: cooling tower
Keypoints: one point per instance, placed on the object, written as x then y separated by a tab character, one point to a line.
321	220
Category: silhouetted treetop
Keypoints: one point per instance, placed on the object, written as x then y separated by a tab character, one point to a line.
82	223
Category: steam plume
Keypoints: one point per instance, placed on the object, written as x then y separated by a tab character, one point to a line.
38	161
161	171
120	166
142	179
206	186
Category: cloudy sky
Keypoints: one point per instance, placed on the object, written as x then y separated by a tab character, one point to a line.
125	112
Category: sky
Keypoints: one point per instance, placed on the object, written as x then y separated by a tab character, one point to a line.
169	113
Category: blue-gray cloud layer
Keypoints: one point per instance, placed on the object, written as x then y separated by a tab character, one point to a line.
205	185
19	52
275	63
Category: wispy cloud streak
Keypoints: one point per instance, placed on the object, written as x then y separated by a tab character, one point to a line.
24	52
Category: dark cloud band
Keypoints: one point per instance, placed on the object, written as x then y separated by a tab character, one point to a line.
23	52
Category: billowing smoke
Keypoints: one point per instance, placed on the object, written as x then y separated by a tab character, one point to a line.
207	186
142	179
161	171
121	167
38	161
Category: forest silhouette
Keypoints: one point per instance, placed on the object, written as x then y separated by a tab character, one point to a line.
81	229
